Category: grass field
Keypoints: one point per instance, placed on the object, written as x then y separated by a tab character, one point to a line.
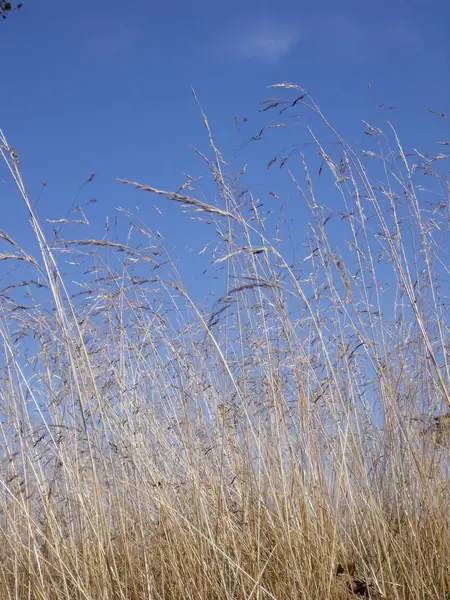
289	440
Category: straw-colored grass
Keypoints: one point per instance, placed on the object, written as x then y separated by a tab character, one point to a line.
289	441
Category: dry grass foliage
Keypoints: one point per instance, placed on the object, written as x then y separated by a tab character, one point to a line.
287	440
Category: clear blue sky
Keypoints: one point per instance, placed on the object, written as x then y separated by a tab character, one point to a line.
104	87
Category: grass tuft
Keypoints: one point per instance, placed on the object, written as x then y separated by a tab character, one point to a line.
288	440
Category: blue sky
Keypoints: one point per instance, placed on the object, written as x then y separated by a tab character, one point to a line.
106	89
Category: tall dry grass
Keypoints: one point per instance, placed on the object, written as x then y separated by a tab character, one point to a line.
287	442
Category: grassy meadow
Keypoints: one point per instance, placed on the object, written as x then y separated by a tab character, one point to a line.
287	439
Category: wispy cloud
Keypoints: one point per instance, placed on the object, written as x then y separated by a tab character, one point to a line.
265	41
336	38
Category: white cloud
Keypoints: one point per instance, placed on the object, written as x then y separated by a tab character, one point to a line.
335	38
265	41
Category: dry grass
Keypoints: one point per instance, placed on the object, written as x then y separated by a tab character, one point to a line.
287	442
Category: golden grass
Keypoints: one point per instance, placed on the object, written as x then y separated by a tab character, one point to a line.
278	444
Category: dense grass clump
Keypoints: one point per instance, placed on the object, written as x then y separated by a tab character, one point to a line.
287	440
